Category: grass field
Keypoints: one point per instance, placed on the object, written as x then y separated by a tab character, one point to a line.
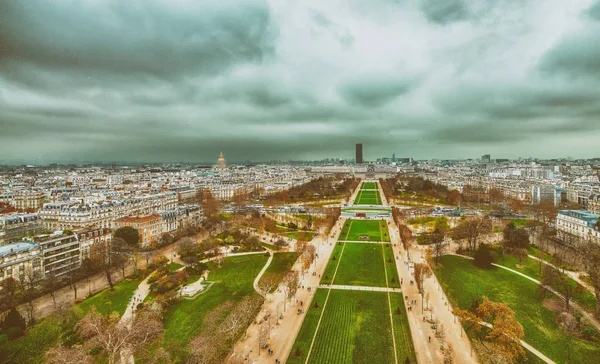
366	197
336	255
369	186
174	266
234	279
355	328
281	264
109	301
390	266
404	343
361	265
375	230
463	282
531	267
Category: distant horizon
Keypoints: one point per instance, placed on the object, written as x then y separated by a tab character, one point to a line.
241	162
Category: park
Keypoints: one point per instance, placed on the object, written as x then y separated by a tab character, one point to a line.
462	282
365	230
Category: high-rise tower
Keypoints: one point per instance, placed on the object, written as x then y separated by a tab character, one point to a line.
359	156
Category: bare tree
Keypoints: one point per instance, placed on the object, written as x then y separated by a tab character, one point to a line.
290	285
591	263
559	280
204	350
106	333
471	230
422	271
569	324
267	283
64	355
263	335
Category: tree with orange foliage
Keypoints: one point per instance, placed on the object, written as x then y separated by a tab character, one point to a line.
209	203
516	205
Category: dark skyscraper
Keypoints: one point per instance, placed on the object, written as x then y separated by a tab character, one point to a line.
359	158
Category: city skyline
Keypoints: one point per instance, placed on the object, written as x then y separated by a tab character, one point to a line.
97	81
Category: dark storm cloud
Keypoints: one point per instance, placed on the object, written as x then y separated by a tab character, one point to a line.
445	12
375	91
134	37
577	55
165	80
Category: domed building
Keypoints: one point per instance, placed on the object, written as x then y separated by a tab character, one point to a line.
221	162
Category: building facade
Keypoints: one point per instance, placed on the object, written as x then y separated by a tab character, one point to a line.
61	253
28	200
19	260
580	223
149	227
15	226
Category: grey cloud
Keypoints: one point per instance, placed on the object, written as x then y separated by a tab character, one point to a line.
375	91
135	37
577	55
320	18
446	11
168	81
594	11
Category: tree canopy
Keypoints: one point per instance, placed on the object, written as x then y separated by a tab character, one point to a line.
129	234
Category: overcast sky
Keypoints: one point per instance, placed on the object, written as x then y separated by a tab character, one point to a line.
173	80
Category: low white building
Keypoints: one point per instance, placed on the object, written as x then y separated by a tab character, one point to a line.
580	223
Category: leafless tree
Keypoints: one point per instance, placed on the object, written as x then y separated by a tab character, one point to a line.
112	337
204	350
64	355
290	285
267	283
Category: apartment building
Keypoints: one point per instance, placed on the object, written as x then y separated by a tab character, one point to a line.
19	260
61	253
594	203
90	236
75	214
580	223
17	225
149	227
28	200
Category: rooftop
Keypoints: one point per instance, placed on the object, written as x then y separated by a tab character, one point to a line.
16	248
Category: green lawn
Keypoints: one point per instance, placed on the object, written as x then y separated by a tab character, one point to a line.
307	331
281	264
463	282
531	267
174	266
365	209
332	264
366	197
109	301
390	266
294	235
369	186
355	328
404	343
375	230
234	281
361	265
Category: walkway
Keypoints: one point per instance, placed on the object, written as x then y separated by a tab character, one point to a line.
439	308
262	271
359	288
284	332
141	292
573	275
